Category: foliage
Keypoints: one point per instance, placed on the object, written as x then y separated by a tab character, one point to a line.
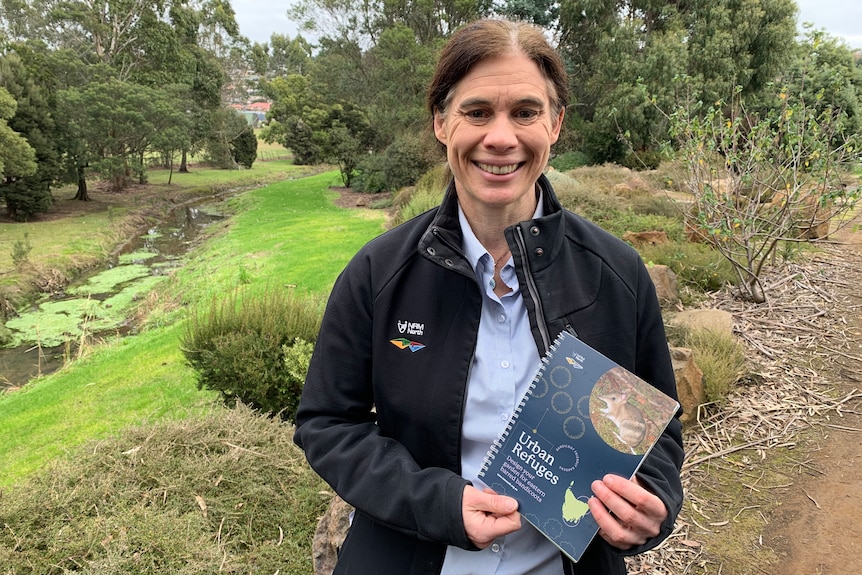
427	194
696	265
238	348
17	157
225	492
760	180
402	164
568	161
618	52
28	194
244	148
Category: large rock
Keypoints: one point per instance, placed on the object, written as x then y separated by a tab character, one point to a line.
649	238
689	382
329	536
666	288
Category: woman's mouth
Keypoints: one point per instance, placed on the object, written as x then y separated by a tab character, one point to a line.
497	170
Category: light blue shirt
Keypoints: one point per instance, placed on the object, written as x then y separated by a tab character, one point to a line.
503	367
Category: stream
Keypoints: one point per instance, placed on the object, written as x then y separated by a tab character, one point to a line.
97	303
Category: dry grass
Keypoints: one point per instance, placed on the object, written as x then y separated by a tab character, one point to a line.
223	493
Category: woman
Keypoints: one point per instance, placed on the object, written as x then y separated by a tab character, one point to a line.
434	330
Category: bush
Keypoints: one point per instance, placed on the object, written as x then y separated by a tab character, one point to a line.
696	266
244	148
568	161
244	348
718	354
370	175
227	492
642	160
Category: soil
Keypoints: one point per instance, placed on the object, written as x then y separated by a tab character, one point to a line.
816	528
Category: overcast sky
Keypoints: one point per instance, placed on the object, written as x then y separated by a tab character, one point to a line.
259	19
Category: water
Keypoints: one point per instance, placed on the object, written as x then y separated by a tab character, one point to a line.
154	254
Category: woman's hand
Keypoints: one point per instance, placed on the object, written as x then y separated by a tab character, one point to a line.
628	515
488	516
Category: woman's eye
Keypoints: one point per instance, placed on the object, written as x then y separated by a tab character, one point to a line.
476	114
526	114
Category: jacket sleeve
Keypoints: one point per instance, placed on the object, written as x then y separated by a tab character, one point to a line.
660	470
337	429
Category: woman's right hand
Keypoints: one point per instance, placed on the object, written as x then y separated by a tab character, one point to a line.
488	516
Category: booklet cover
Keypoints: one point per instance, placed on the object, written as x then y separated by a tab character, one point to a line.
583	417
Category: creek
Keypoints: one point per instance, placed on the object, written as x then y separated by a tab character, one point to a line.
97	304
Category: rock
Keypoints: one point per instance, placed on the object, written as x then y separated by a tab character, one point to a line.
665	283
689	383
652	238
329	536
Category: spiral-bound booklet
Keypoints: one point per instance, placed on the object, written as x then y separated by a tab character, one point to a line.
583	417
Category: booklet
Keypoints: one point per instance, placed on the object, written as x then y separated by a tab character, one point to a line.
583	417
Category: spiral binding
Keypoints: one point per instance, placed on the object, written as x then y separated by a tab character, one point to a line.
500	441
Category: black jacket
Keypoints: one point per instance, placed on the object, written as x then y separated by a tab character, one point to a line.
381	412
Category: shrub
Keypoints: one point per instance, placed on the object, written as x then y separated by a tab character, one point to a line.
696	265
240	346
568	161
370	175
719	355
244	148
642	160
226	492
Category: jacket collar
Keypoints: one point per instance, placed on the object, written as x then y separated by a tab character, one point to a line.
442	240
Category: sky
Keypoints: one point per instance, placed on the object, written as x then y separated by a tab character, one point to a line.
259	19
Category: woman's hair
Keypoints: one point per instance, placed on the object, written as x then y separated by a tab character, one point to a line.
490	38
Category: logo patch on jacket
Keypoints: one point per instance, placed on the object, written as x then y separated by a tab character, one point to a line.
402	343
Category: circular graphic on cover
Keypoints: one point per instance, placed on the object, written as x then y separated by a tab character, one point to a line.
584	406
540	389
562	402
561	377
574	427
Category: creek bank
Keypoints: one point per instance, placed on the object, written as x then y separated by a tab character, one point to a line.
96	304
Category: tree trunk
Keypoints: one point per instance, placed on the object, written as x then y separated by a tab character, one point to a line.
184	167
82	186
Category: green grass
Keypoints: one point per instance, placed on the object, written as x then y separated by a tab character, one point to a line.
289	233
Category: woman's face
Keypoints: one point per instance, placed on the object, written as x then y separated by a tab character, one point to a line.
498	131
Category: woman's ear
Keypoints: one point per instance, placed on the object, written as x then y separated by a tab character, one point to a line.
558	126
439	127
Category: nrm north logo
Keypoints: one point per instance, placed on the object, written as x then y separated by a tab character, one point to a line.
402	343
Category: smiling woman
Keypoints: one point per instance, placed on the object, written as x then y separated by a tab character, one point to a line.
438	326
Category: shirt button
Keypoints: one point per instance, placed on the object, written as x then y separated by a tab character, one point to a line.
495	547
501	318
504	417
504	364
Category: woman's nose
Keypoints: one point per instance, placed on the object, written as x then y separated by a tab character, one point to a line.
501	134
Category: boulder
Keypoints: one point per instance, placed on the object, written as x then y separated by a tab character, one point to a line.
689	382
651	238
665	283
329	536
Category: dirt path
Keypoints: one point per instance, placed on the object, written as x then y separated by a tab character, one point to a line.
816	529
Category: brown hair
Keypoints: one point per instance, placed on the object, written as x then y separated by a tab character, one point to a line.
490	38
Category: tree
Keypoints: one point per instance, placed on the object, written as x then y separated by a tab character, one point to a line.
761	180
615	49
28	194
17	158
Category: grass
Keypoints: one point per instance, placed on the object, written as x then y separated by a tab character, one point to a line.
286	233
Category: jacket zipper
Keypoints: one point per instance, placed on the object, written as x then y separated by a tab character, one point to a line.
533	290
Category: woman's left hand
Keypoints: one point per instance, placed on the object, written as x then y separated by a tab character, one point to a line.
628	515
